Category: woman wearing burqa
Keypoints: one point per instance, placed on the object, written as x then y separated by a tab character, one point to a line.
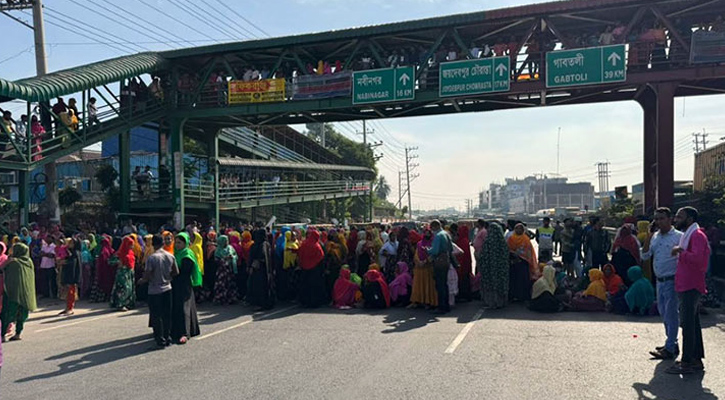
184	321
19	297
312	282
260	289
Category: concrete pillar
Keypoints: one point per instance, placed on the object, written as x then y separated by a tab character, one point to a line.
24	197
176	137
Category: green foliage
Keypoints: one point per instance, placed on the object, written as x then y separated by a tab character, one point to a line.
619	210
711	203
106	176
192	146
68	196
352	152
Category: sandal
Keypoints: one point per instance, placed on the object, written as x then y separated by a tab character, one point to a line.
183	340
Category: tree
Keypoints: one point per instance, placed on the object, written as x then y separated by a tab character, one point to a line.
382	189
106	176
68	196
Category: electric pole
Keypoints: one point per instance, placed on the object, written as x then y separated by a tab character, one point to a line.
365	132
700	141
41	68
409	178
603	177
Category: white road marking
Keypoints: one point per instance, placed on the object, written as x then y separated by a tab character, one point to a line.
110	314
462	335
208	335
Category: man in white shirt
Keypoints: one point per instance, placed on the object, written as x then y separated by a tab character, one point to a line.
659	245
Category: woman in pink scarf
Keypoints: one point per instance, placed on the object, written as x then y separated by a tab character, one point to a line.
401	286
343	293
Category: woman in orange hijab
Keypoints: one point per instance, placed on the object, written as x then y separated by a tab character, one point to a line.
168	241
524	268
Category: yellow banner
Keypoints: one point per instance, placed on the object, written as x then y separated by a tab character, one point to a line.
264	91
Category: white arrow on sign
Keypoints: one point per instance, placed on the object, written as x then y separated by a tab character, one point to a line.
614	58
404	78
501	69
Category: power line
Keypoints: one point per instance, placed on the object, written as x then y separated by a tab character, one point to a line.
242	17
232	25
118	21
196	16
67	19
171	36
184	24
14	56
124	51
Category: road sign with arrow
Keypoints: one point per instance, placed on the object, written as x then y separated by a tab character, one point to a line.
588	66
467	77
383	85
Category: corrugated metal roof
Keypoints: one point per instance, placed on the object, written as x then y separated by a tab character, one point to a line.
448	21
246	162
76	79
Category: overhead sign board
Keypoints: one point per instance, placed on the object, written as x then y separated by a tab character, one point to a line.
383	85
588	66
467	77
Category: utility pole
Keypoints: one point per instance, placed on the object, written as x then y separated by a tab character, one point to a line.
365	132
41	68
558	148
400	188
322	135
603	176
408	168
700	141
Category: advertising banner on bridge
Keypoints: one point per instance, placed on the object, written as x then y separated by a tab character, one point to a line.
263	91
707	47
309	87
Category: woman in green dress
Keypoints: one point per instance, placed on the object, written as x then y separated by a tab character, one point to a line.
19	297
123	296
493	265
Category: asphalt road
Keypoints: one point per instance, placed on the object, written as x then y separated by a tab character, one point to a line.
292	353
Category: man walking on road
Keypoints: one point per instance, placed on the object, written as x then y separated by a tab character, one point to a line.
693	253
545	239
659	245
440	253
160	267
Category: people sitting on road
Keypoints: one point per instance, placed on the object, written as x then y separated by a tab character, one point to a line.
594	298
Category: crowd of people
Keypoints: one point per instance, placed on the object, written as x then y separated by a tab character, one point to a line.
429	267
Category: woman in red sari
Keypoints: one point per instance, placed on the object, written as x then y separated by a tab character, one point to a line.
123	296
465	262
105	273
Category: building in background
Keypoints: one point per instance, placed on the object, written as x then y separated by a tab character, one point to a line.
532	194
709	167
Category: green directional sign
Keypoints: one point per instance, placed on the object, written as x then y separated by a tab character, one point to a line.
485	75
589	66
383	85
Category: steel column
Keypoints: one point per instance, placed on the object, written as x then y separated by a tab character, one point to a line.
124	169
657	102
24	196
666	144
648	101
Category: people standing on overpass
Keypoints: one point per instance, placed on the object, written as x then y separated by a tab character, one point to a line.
693	253
545	239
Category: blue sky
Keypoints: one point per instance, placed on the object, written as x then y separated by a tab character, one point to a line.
458	154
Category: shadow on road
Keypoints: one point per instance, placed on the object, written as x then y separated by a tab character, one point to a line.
96	355
664	386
